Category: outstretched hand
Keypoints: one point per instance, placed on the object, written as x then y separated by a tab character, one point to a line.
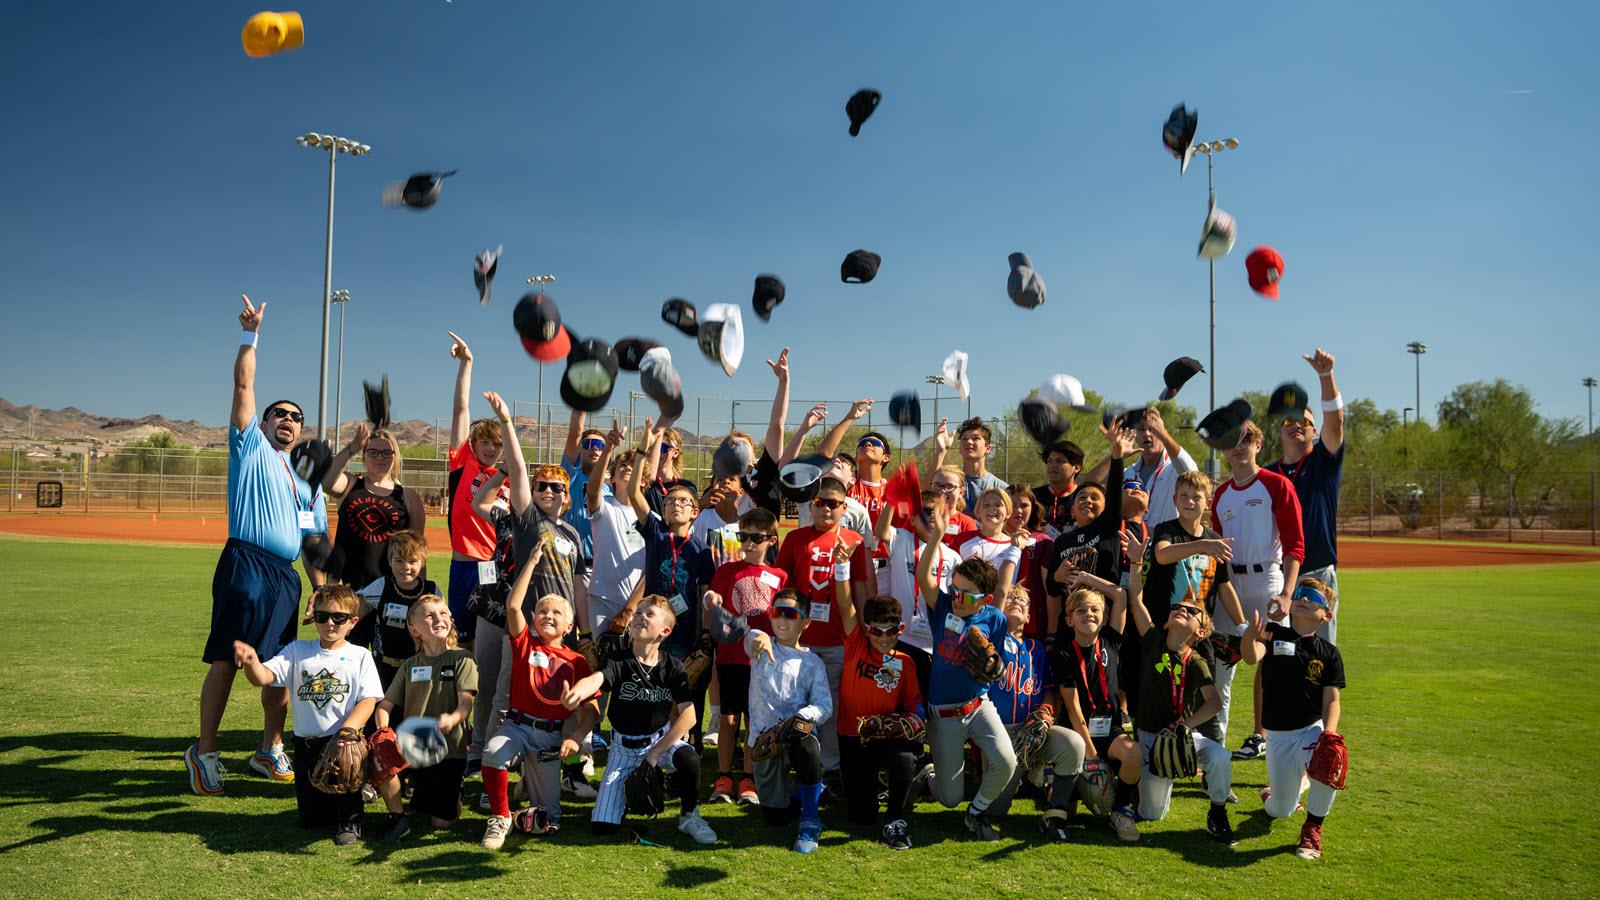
244	654
501	411
816	416
781	367
250	319
942	438
860	408
1120	439
1258	629
1321	361
459	349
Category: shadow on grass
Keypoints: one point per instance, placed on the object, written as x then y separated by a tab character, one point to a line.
51	778
692	876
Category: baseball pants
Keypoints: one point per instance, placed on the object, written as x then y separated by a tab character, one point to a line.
1155	792
860	762
828	732
1255	590
542	778
1288	754
1063	752
776	789
486	707
1329	576
948	736
626	753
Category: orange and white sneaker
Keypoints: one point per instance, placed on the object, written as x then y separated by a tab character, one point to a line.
722	790
273	763
205	771
747	792
1310	846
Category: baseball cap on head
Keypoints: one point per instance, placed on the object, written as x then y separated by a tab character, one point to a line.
1042	421
905	410
955	373
1064	390
1024	285
266	33
630	352
483	269
859	267
768	294
732	457
1220	429
681	314
377	396
538	323
420	191
1264	267
860	107
1177	374
722	336
1288	401
799	480
1178	134
1218	234
590	375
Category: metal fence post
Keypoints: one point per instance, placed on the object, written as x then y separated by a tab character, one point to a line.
1511	522
161	470
1594	506
11	495
87	487
1441	506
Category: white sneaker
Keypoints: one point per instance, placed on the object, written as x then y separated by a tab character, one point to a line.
579	788
709	739
205	771
696	827
494	835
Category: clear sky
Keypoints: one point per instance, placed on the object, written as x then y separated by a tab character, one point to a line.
1427	170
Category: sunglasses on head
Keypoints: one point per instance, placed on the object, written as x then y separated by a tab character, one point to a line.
784	612
554	487
961	596
324	616
278	412
870	442
1190	611
827	503
886	630
754	537
594	444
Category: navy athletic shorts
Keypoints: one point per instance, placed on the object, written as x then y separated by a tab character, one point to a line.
463	581
255	598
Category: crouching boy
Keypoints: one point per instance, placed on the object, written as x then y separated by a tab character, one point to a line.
789	702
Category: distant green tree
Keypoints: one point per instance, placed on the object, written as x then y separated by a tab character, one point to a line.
1494	429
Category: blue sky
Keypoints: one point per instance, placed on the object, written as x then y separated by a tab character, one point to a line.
1426	169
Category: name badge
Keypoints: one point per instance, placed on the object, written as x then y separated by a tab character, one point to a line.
768	579
308	520
892	662
422	673
679	605
487	572
1099	726
538	660
1051	532
821	612
951	529
394	614
954	624
1283	648
564	547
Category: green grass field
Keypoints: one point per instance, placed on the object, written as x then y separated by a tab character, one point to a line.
1470	716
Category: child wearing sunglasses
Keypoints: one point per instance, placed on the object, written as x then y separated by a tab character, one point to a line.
905	548
878	679
1302	674
788	681
742	589
333	685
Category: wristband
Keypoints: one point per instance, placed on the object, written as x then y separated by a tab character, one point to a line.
1334	405
841	571
1239	630
249	339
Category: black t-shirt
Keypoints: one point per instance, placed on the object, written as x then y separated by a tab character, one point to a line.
390	636
680	569
1293	674
1163	674
643	697
1055	512
366	522
560	566
1096	676
1196	578
1094	548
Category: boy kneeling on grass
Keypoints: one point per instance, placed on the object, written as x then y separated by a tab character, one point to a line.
789	702
333	686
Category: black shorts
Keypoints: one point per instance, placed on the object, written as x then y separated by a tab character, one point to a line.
436	790
255	598
734	679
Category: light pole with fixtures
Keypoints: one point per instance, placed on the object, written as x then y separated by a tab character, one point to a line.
341	298
1417	348
1405	432
539	281
334	145
1590	384
935	380
1211	149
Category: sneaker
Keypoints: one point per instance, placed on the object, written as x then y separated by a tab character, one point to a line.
205	771
722	790
709	739
1125	824
1217	826
1054	826
273	763
399	829
923	782
1252	748
578	787
597	742
494	834
1266	794
697	828
806	841
1310	842
534	820
978	824
748	796
368	793
896	836
346	835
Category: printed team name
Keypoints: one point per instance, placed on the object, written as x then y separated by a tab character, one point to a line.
632	690
321	689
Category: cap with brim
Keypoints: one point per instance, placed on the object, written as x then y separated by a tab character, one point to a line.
1178	135
905	410
483	269
955	373
538	323
1288	401
311	461
1042	421
590	376
1178	373
859	267
1218	234
1064	391
859	108
1024	285
798	481
630	351
681	314
768	294
1221	428
420	191
1264	268
266	33
722	336
377	402
731	458
659	380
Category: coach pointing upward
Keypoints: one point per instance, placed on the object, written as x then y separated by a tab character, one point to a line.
255	592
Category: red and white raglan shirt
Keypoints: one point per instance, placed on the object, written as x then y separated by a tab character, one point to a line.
1262	517
994	551
870	495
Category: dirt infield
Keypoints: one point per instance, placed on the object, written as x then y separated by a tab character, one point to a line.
1355	553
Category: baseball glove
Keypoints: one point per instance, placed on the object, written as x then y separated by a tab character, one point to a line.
890	727
590	651
979	657
776	740
1029	741
342	767
384	760
697	665
645	790
1096	786
1172	754
532	820
1330	761
1225	648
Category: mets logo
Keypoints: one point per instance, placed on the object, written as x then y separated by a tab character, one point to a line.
321	689
1314	671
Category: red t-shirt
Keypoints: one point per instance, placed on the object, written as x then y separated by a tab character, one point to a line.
746	590
870	495
874	683
807	555
540	673
470	535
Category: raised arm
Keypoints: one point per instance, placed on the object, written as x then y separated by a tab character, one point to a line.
569	450
930	553
593	488
644	469
1132	546
835	436
816	416
942	439
483	500
1156	426
336	482
1254	646
1332	420
1120	443
778	418
460	412
516	622
841	585
517	475
243	413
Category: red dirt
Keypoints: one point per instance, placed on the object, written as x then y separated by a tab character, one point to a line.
213	530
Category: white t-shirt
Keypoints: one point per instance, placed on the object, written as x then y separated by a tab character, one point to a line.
324	685
994	551
618	554
904	548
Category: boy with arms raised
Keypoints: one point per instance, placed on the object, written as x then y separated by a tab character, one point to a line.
789	702
905	549
475	450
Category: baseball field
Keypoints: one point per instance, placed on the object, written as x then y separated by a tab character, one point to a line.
1471	714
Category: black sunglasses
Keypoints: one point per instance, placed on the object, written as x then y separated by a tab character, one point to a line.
324	616
827	503
754	537
278	412
554	487
784	612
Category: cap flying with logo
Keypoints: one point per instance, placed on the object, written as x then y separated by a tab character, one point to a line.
266	33
1178	135
859	108
420	191
955	373
377	402
798	481
722	336
631	350
768	294
1042	420
1221	428
859	267
1217	237
681	314
591	374
1177	374
1288	401
483	269
1264	266
1024	285
311	460
905	410
538	322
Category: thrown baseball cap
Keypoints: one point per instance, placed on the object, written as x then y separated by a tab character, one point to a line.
1024	285
768	294
538	322
311	460
1042	421
1064	390
955	372
1126	416
722	336
1264	266
591	374
859	267
681	314
799	480
659	380
1288	401
631	350
732	457
377	402
420	191
1178	134
1217	236
905	410
266	33
1220	429
859	108
483	269
1177	374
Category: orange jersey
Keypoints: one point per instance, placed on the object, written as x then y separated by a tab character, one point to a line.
874	683
470	534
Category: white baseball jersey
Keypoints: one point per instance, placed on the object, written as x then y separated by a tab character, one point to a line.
1262	516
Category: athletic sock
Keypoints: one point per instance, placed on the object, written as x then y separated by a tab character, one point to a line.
496	782
1313	820
809	795
1122	793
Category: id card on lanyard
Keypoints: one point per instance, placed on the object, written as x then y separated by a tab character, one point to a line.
305	519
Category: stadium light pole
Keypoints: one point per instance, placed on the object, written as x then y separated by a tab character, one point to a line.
1590	383
334	145
1210	149
539	281
935	380
341	298
1405	432
1417	348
